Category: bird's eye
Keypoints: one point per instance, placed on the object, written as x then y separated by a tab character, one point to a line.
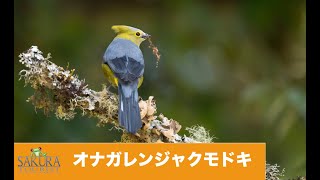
138	34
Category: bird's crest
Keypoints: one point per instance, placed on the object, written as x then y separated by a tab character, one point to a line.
123	28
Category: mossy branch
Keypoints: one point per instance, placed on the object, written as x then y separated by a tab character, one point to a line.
59	90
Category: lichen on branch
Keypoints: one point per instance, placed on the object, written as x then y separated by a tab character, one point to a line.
273	172
59	90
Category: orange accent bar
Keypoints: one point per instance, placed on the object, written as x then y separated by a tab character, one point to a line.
56	161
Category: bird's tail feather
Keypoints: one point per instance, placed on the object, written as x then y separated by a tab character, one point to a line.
129	112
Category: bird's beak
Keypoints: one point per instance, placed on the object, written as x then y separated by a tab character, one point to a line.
145	36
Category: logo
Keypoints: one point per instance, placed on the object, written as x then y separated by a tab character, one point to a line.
38	162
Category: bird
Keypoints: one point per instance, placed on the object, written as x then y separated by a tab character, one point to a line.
123	66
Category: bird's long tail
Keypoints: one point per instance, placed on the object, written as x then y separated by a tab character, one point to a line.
129	112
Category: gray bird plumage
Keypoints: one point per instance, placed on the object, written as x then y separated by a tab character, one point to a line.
126	61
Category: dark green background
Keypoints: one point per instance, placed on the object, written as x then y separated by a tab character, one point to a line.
237	69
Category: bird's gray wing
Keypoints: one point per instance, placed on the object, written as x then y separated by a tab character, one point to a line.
126	68
125	59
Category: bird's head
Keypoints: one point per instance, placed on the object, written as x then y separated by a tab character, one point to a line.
135	35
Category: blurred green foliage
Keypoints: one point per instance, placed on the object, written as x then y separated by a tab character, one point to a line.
235	67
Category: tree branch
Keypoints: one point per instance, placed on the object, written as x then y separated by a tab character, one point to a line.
59	90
